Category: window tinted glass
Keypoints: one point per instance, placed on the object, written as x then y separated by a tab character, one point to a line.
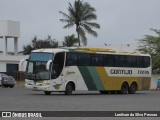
108	60
143	61
97	60
146	61
131	61
40	56
127	61
71	59
120	60
84	59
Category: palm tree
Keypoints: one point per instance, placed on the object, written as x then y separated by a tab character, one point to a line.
81	14
70	40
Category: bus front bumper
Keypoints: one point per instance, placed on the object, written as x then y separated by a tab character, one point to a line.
37	88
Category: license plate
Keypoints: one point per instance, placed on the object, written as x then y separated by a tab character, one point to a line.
34	88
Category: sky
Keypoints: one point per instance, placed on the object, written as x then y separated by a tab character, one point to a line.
121	21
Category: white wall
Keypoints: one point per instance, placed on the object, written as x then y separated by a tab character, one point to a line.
9	28
2	67
10	59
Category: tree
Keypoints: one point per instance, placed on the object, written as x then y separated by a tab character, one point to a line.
39	43
81	14
70	40
151	44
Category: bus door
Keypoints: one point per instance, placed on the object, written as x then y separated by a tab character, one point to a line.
57	67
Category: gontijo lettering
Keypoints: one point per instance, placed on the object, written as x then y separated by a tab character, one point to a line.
118	71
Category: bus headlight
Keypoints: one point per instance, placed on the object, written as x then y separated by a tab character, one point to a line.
45	84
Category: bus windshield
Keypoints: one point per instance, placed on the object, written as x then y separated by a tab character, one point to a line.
36	67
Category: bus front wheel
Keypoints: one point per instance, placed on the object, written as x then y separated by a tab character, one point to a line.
69	89
132	89
124	88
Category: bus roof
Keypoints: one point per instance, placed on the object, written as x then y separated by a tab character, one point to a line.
51	50
87	50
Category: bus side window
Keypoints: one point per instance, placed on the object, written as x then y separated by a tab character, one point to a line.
84	59
140	63
131	61
68	59
97	60
71	59
120	61
109	61
146	62
54	71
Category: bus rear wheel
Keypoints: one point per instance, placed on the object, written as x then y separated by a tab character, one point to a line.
47	92
132	89
124	88
69	89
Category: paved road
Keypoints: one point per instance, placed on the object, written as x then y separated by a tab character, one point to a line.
20	99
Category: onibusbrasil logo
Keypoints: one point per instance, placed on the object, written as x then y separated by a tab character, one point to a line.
21	114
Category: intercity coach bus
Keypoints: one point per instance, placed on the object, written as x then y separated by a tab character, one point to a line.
94	69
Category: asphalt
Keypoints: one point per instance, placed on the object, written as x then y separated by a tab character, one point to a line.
20	99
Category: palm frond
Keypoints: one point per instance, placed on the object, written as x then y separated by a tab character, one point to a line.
89	17
93	24
89	7
65	15
88	12
68	25
89	30
71	11
66	21
70	40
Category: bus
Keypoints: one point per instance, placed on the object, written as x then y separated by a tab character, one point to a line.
92	69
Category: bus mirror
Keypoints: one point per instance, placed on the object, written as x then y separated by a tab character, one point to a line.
48	64
21	65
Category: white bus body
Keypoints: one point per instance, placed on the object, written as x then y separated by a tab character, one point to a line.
66	70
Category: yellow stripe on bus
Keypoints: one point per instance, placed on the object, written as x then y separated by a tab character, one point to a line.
109	83
114	83
103	76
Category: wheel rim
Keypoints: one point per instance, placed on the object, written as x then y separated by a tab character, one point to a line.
124	88
133	87
70	88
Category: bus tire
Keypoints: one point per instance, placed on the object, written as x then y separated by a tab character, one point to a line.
104	92
69	88
112	92
124	88
47	92
11	86
133	88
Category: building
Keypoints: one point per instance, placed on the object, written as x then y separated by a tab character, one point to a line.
9	61
9	64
